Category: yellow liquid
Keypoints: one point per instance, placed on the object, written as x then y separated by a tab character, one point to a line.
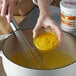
54	59
46	41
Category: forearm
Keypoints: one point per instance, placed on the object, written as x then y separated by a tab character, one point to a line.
44	7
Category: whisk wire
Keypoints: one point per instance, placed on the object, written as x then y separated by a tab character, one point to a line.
30	53
31	56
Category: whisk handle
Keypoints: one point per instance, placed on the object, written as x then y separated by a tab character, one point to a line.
13	24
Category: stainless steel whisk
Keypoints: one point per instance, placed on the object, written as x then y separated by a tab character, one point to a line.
31	55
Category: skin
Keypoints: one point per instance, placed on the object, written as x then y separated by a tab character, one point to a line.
4	5
44	19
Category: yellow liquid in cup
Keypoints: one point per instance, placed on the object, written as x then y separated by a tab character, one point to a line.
54	59
46	41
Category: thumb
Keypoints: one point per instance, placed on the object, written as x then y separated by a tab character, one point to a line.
36	30
4	8
10	11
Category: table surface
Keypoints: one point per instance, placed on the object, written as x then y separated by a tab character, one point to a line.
32	18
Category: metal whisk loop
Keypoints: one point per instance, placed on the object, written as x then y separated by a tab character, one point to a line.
31	55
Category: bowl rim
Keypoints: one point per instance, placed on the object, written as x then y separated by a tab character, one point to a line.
2	47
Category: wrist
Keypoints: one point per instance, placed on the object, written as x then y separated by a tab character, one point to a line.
44	7
35	1
45	13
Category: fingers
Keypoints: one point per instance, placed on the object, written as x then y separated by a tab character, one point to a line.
36	30
54	26
0	10
4	7
0	6
0	1
10	10
59	33
56	29
50	25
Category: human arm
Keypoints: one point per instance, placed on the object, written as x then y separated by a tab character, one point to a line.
45	19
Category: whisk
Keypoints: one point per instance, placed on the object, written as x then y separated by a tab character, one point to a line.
31	56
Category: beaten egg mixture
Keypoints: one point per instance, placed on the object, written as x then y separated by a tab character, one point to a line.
46	41
53	59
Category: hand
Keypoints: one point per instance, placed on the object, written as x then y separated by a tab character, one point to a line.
4	5
46	22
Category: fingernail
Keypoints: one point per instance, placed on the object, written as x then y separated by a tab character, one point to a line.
8	21
33	36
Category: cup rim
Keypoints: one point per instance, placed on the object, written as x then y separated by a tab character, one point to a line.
66	8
